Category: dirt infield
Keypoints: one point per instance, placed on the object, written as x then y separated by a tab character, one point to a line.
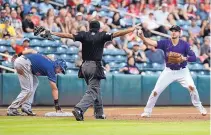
133	113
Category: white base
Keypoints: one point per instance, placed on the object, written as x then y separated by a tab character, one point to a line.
58	114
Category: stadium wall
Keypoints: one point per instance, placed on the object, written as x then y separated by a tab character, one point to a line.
117	89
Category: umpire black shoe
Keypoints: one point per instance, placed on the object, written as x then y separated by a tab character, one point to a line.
13	112
78	114
100	117
28	112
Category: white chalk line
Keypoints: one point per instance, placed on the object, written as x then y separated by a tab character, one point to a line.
165	114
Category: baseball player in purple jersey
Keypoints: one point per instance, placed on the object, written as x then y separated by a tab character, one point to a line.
173	71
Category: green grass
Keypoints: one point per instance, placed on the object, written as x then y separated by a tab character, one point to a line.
68	126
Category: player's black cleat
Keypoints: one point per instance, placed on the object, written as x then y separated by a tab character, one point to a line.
78	114
28	112
13	112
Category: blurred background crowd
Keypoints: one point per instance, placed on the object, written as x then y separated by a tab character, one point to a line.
126	54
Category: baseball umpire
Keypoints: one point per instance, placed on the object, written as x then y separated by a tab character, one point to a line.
28	67
91	70
177	55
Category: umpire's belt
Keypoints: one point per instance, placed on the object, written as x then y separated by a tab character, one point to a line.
98	63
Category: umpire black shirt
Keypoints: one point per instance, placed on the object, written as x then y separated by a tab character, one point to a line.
92	44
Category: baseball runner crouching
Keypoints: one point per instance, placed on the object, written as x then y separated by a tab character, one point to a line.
177	54
28	67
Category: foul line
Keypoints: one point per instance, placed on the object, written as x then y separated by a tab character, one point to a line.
164	114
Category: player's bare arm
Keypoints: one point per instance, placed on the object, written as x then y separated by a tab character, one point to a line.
54	90
63	35
123	32
146	41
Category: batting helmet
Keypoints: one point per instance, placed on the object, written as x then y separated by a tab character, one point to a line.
61	63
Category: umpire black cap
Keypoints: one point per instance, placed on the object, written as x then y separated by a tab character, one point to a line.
175	27
94	26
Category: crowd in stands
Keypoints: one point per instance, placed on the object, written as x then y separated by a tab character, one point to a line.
126	54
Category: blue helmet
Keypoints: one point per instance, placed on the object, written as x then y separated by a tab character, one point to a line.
61	63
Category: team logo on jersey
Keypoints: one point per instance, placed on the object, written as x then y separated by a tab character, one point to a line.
108	33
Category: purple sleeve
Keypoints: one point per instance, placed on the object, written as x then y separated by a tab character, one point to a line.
191	57
161	44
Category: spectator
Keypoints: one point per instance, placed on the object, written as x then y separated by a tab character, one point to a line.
205	29
120	42
28	25
206	62
194	45
171	20
3	15
26	7
202	12
45	6
181	14
81	8
207	5
15	22
184	38
35	17
6	29
205	48
106	66
138	55
194	30
115	21
8	10
80	19
131	67
161	15
191	11
152	24
49	21
155	55
20	48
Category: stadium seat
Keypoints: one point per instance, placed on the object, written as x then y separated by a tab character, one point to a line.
197	66
120	58
61	50
107	51
57	43
117	52
35	42
55	56
69	71
39	49
121	65
49	50
157	66
113	66
180	22
108	58
10	50
72	50
65	56
47	43
7	64
70	65
3	48
185	27
3	42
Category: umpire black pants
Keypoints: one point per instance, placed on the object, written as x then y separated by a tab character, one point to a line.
92	72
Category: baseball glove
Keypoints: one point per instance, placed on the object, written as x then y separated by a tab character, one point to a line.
47	35
175	58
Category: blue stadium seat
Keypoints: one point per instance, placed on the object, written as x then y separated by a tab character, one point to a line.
122	65
74	57
143	65
30	35
71	71
108	58
70	65
197	66
157	66
39	49
49	50
35	42
47	43
3	48
130	45
180	22
57	43
113	66
3	42
107	51
7	64
185	27
55	56
10	50
149	73
117	52
61	50
65	56
120	58
72	50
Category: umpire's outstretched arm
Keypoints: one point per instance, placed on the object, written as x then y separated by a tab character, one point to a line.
63	35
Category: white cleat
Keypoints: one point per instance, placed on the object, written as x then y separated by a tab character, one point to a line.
203	111
146	115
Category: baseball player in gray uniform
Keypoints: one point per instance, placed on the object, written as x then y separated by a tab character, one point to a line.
28	67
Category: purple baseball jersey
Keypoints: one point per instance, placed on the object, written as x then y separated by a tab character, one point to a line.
182	47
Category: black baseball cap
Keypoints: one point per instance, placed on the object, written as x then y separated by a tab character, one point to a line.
175	27
94	25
